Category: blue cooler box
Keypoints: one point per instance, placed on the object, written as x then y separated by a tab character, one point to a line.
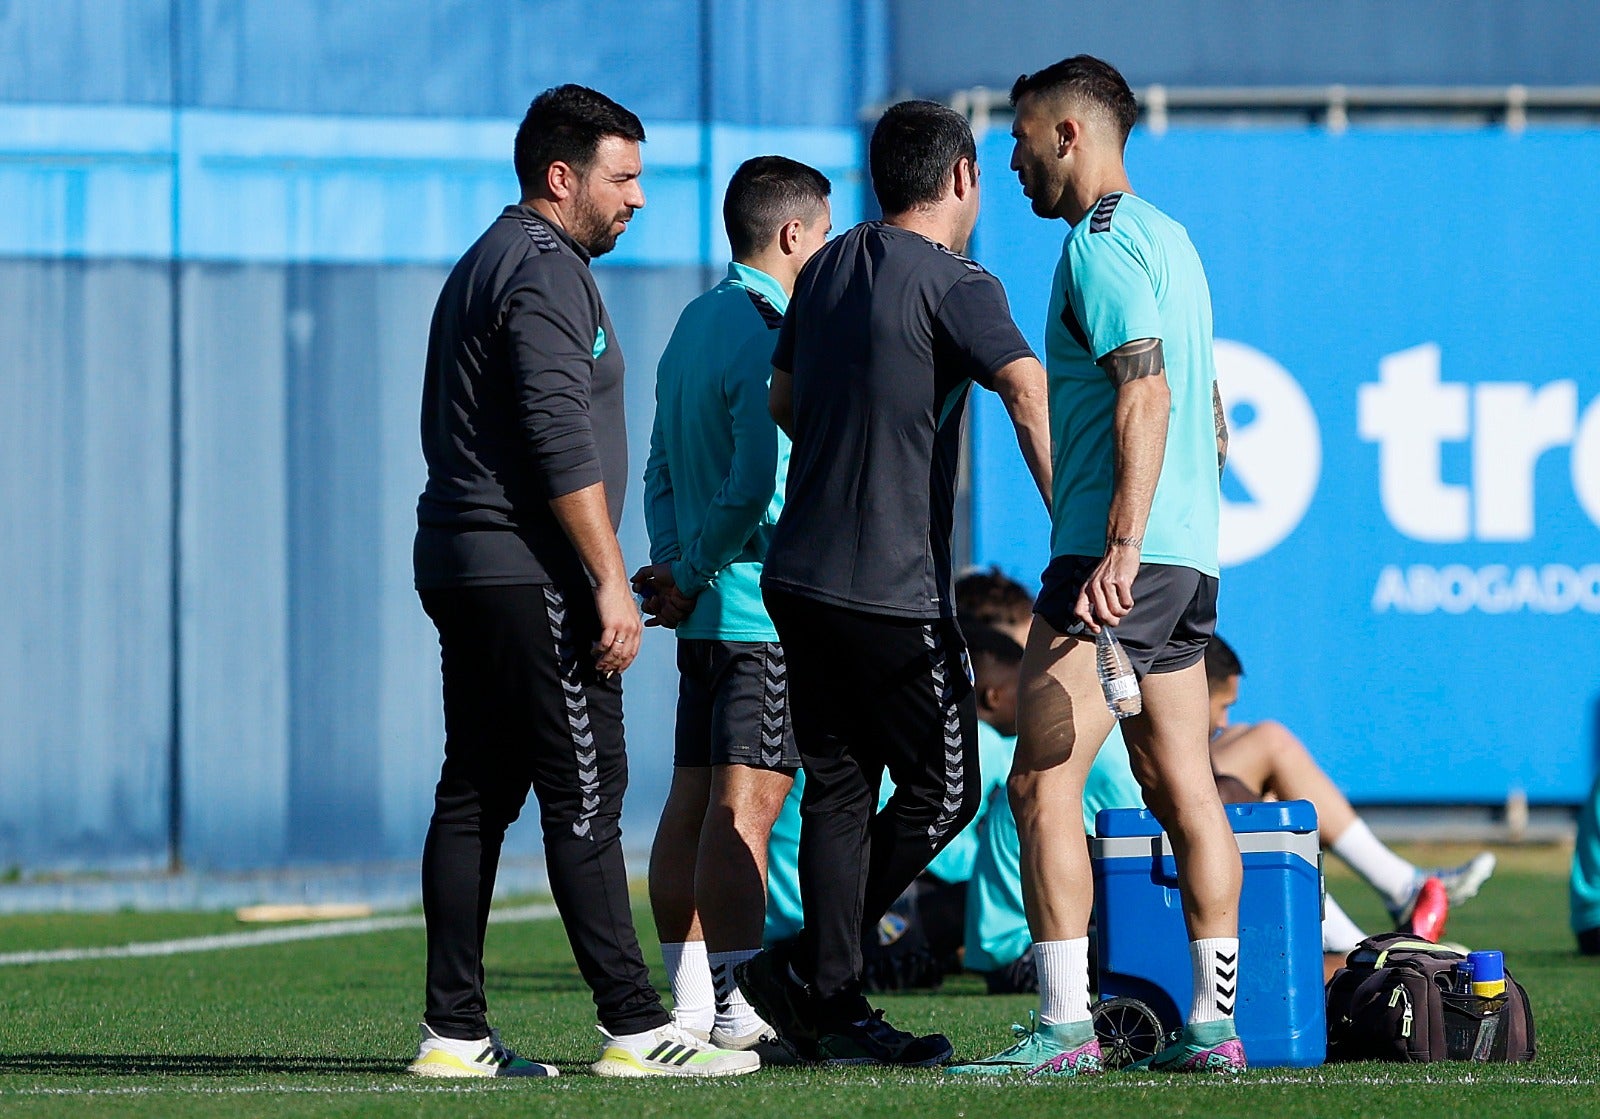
1144	947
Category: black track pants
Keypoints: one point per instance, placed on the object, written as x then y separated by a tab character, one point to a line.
869	692
524	707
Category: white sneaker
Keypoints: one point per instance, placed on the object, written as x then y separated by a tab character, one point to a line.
488	1056
1464	881
668	1051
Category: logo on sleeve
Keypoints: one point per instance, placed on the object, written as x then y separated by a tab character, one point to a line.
966	261
769	314
540	235
599	342
1100	220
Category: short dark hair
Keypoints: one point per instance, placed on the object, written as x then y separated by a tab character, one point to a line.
1221	661
913	148
992	598
565	124
764	193
986	641
1086	78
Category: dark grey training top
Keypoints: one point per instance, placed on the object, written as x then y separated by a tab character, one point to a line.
885	333
521	403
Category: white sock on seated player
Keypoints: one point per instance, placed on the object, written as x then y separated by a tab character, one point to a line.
1382	869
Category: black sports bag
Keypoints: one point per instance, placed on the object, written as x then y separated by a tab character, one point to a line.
1395	1000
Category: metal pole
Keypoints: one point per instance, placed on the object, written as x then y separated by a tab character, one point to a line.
175	450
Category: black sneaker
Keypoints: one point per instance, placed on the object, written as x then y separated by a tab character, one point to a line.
782	1002
875	1042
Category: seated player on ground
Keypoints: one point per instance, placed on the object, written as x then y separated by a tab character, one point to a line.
1268	759
919	939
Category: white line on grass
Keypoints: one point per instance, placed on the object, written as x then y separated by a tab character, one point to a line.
411	1087
401	1086
254	938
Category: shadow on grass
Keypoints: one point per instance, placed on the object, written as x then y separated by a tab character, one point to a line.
188	1064
555	980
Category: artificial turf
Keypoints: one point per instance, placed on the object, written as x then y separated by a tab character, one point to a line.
323	1028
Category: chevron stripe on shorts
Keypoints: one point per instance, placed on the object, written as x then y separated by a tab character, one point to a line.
954	746
774	706
577	704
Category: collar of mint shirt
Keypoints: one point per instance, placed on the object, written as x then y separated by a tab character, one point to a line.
760	283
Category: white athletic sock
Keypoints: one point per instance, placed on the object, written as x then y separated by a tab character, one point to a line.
734	1014
694	999
1339	933
1063	967
1384	871
1215	962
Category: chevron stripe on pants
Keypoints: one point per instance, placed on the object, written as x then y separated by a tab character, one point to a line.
524	709
870	692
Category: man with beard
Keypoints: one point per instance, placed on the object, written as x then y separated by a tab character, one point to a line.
1137	440
518	566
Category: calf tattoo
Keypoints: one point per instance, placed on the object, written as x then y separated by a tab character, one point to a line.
1221	419
1135	361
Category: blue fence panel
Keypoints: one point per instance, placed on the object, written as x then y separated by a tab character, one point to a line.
1411	519
85	557
312	247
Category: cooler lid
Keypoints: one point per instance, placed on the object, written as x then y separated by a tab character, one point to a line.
1277	815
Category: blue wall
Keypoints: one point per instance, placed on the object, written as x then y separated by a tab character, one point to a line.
1411	524
217	281
945	45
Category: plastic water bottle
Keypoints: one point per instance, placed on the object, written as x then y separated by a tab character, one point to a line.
1117	681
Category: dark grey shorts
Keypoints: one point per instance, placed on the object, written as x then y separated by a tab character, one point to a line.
733	705
1174	611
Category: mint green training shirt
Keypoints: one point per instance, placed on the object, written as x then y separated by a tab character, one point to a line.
713	485
1127	272
997	928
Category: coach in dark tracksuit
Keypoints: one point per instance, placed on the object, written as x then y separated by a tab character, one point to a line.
518	565
888	330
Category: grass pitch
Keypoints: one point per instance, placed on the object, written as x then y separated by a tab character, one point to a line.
323	1028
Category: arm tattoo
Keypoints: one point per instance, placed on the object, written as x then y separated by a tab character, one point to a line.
1124	542
1135	361
1221	419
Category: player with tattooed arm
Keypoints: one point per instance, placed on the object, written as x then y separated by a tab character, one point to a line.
1136	439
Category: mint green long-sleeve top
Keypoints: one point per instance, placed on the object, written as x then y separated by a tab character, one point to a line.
713	484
